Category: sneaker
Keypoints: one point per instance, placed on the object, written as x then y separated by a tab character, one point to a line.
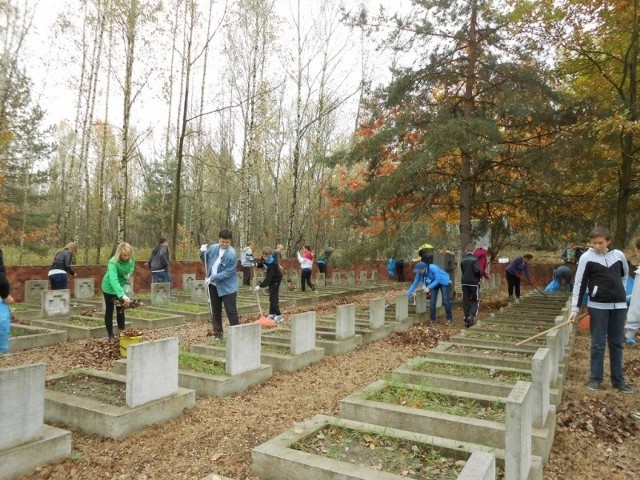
449	323
593	385
624	388
270	316
637	415
278	319
630	340
111	337
472	320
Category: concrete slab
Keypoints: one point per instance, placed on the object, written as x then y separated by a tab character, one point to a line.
93	416
421	420
280	362
207	385
24	337
54	445
277	460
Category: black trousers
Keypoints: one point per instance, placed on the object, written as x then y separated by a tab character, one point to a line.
246	276
274	298
305	279
229	302
470	299
109	307
513	284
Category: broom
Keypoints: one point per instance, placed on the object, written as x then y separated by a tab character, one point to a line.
563	324
265	322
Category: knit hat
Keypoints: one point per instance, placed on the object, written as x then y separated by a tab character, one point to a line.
420	266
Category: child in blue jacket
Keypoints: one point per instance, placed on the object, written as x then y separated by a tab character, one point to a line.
433	279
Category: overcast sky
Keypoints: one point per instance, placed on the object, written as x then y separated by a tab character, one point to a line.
50	75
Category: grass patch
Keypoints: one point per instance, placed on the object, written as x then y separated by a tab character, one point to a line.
381	453
146	314
469	371
83	321
21	307
402	394
272	348
494	352
200	363
21	332
496	337
97	388
186	307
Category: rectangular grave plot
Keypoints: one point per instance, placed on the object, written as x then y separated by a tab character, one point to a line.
103	390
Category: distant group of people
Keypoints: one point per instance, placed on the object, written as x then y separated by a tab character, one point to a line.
434	281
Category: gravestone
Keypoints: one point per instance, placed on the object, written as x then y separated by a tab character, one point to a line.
345	321
56	303
421	303
84	288
160	293
199	291
402	307
243	348
152	371
336	279
518	432
26	442
376	313
321	280
303	332
374	275
363	276
187	281
351	277
33	291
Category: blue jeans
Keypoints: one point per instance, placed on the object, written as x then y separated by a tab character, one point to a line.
160	277
58	281
446	301
607	327
5	327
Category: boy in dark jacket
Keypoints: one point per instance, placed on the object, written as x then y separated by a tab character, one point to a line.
470	281
272	279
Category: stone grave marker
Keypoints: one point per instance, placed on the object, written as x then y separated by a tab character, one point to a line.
160	293
56	303
351	277
374	275
303	332
33	291
336	279
199	291
84	288
518	432
152	371
243	348
402	307
421	303
187	280
363	276
376	313
345	321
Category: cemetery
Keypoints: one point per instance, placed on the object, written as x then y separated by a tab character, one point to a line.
469	404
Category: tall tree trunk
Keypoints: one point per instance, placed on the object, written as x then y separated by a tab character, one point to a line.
466	180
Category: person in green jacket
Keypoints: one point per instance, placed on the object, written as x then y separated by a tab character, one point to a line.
119	268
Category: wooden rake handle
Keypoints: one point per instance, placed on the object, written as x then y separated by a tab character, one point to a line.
555	327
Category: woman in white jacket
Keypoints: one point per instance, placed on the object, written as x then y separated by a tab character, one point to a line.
306	264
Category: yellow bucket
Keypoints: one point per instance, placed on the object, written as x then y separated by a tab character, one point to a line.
125	342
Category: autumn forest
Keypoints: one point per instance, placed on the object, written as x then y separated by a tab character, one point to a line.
333	123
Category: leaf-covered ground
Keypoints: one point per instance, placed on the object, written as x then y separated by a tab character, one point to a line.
596	438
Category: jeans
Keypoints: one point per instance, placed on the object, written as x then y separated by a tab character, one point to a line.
108	313
161	277
229	302
58	281
5	327
446	301
607	327
246	276
305	279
